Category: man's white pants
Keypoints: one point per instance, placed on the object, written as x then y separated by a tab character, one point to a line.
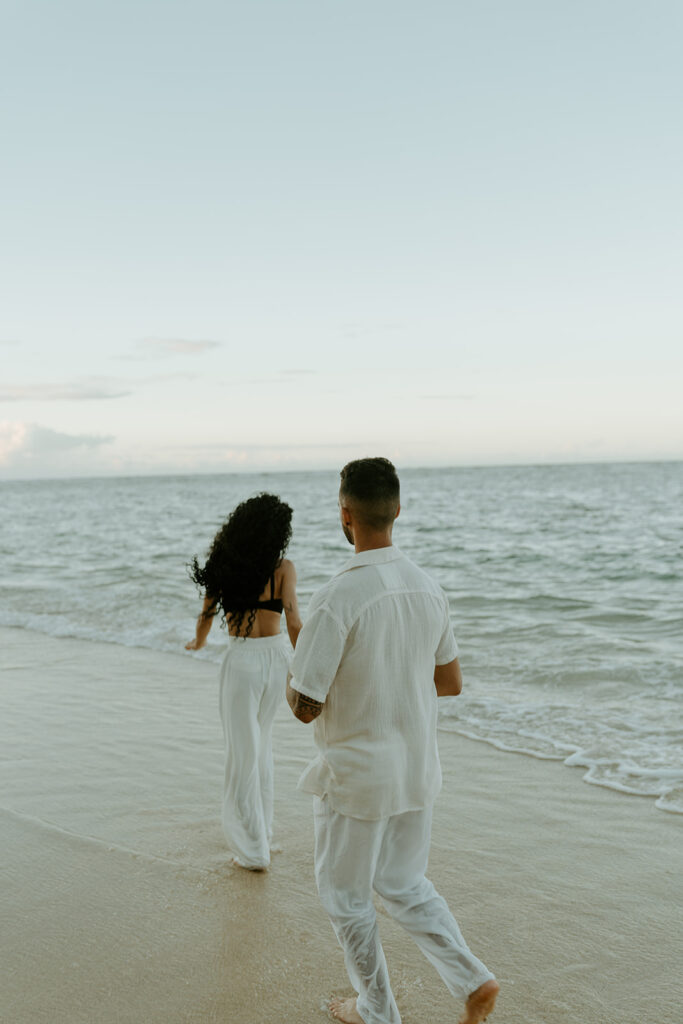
354	857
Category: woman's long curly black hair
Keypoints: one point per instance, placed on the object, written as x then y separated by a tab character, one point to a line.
245	553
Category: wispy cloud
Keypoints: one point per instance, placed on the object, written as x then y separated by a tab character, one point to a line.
234	455
447	398
279	377
92	389
352	331
211	446
86	390
149	347
22	444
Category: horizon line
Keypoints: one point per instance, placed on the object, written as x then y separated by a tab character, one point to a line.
165	474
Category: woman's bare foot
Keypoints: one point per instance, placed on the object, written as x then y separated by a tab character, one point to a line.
345	1011
247	867
480	1004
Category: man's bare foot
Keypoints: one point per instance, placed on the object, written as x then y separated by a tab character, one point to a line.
480	1004
345	1010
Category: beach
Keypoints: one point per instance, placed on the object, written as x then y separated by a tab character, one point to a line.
120	904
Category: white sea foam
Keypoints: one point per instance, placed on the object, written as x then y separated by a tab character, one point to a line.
617	752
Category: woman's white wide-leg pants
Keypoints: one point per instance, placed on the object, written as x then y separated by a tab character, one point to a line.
354	857
252	683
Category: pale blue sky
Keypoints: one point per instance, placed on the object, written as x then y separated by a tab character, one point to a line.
284	234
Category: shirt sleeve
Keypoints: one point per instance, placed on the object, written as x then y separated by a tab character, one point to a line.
318	652
447	650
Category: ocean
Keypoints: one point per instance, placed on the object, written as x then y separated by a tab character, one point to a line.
565	585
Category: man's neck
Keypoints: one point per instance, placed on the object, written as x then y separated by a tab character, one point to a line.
370	542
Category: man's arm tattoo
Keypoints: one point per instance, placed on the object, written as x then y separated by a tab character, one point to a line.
307	706
303	707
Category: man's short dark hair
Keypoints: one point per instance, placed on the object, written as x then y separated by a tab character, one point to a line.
372	488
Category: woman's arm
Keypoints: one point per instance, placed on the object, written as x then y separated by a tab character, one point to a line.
206	617
289	601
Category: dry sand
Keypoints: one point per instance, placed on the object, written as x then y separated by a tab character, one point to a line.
119	904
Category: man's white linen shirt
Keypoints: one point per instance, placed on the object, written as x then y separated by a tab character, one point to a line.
367	651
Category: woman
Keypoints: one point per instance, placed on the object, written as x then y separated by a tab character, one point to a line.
248	579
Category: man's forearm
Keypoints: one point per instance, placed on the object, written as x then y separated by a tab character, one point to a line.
304	708
448	679
291	694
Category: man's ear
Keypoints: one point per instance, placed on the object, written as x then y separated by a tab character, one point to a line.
346	515
398	510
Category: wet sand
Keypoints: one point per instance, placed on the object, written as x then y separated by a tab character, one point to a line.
119	903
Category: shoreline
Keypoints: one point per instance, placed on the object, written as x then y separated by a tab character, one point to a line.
570	757
121	904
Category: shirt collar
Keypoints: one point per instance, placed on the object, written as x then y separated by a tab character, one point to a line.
376	556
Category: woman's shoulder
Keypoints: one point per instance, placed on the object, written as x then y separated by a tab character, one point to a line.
286	567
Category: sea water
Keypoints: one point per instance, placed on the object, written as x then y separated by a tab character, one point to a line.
565	585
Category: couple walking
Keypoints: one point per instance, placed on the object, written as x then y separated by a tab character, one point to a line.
376	651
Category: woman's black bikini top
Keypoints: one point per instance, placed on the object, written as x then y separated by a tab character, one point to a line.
273	604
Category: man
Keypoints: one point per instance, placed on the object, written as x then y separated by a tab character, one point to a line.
374	653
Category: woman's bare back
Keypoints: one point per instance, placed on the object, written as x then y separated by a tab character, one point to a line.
266	621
